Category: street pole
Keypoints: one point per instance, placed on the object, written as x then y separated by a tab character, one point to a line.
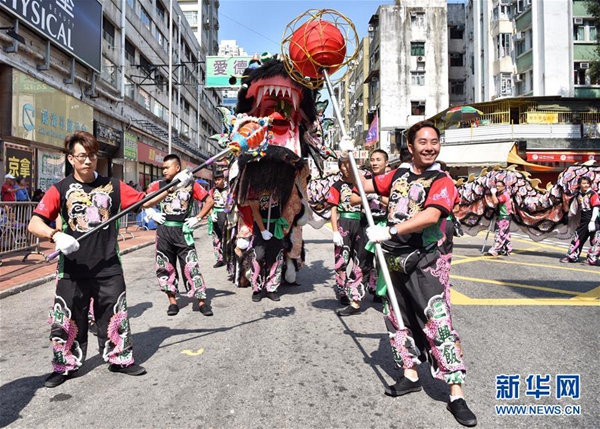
170	74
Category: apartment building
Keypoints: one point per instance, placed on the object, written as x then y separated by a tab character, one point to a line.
101	67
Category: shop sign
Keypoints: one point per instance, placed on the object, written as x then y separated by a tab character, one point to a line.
75	26
562	156
219	71
44	114
18	161
106	134
51	169
542	118
130	147
150	155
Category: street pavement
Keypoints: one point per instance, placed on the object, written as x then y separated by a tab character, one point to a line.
295	364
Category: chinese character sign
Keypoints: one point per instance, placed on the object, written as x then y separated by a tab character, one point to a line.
220	69
130	146
373	133
18	162
51	169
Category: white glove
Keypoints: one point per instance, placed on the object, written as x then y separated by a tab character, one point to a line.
378	234
184	177
65	243
242	243
266	235
373	197
592	226
192	222
337	239
157	217
346	145
214	217
493	191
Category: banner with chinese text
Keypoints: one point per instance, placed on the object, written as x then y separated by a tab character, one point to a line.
19	162
220	69
51	169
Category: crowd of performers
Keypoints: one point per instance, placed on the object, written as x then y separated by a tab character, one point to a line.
253	238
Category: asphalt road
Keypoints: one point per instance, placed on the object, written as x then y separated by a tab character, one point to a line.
295	364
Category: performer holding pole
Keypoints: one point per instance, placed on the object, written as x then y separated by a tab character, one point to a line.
175	237
91	269
424	268
218	216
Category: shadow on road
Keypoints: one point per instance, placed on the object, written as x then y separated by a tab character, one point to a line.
15	396
147	343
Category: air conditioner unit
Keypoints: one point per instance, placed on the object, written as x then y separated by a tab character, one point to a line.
519	35
527	2
578	21
371	28
420	59
372	109
520	77
584	65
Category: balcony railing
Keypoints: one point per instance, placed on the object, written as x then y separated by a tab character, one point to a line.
513	132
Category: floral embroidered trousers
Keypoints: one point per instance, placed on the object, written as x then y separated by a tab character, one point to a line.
580	236
424	301
502	244
362	273
69	322
172	245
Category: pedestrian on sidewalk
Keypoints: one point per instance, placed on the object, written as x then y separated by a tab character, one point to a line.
90	269
175	237
588	204
503	202
420	197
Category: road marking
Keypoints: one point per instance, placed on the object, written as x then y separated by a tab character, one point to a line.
458	298
590	295
192	353
519	285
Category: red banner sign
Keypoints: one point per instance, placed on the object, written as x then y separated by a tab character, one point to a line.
150	155
562	156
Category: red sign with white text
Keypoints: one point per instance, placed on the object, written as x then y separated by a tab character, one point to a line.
150	155
562	156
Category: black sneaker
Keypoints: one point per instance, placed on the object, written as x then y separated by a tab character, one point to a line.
257	296
56	379
347	311
93	328
462	413
219	264
133	369
172	310
205	309
402	387
273	296
344	300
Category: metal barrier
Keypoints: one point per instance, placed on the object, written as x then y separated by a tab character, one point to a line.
14	237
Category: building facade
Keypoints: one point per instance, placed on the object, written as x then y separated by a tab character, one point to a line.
109	77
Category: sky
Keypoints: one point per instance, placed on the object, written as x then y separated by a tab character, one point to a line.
258	26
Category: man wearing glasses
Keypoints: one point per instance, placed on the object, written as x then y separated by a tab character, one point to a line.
90	269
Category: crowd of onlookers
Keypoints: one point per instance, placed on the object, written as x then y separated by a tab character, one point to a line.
17	189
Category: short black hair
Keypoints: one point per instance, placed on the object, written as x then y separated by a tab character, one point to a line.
172	157
582	178
218	174
412	131
381	151
500	181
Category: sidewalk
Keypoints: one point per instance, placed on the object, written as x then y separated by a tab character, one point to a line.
17	275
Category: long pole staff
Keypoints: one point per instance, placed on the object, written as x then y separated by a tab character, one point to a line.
147	198
491	226
365	203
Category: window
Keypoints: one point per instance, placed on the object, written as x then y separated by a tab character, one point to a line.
131	4
417	78
108	32
456	60
417	107
192	17
129	88
145	18
144	99
129	52
505	84
520	47
146	65
457	87
417	49
593	33
503	45
579	33
109	71
417	19
160	10
158	109
456	33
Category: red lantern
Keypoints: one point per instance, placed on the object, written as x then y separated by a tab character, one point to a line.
317	44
